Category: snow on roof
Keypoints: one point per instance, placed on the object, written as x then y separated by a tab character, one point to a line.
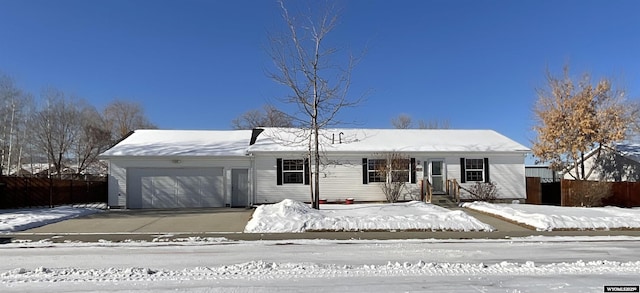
386	140
156	142
629	150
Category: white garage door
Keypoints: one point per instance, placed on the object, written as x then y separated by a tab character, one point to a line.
175	187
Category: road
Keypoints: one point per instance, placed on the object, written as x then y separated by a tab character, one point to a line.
537	264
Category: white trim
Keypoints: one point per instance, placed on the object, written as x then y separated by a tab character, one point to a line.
474	170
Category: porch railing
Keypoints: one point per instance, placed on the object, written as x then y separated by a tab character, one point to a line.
453	189
426	190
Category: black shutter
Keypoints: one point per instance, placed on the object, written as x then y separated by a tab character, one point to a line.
307	178
413	170
486	170
463	175
365	171
279	172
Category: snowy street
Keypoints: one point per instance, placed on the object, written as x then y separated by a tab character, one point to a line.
536	264
168	262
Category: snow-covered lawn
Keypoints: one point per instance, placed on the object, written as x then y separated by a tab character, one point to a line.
23	219
548	218
294	216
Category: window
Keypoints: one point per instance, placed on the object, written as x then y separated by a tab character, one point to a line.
474	169
400	170
376	169
292	171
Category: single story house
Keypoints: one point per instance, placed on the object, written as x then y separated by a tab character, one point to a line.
616	163
202	168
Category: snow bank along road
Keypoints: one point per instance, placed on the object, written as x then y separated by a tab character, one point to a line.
533	264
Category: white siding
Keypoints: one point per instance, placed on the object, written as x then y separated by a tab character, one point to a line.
342	178
118	172
117	185
338	181
506	171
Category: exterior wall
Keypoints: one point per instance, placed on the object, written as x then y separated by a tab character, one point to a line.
505	170
508	174
338	181
343	177
118	172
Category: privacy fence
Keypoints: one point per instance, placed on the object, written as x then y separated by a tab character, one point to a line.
622	194
20	192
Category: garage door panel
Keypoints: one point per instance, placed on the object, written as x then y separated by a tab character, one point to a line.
189	192
164	192
215	196
164	201
176	187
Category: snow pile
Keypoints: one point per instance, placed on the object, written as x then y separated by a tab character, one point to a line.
261	270
23	219
548	218
294	216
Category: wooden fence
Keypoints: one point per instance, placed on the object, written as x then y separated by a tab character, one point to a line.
623	194
18	192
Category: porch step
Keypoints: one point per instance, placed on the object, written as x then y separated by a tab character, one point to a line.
444	201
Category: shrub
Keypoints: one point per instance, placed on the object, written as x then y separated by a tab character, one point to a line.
587	193
482	191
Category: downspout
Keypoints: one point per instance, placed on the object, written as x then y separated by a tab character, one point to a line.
252	166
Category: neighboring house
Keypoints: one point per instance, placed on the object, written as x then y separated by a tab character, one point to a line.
175	168
620	162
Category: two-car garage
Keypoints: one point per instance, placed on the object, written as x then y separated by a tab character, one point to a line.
169	169
175	187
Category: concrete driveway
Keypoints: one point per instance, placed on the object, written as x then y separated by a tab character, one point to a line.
229	223
210	220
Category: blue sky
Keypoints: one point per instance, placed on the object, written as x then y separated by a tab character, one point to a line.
196	64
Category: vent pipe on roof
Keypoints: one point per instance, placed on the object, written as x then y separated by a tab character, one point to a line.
333	138
340	136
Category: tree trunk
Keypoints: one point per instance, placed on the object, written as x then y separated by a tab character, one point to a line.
316	172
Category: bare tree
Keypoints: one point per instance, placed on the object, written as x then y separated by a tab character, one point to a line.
575	117
268	116
56	127
122	117
404	121
14	110
94	137
434	124
318	78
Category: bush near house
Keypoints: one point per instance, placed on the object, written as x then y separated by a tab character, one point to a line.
483	191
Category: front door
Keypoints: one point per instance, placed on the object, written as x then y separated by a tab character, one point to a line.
437	176
239	187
